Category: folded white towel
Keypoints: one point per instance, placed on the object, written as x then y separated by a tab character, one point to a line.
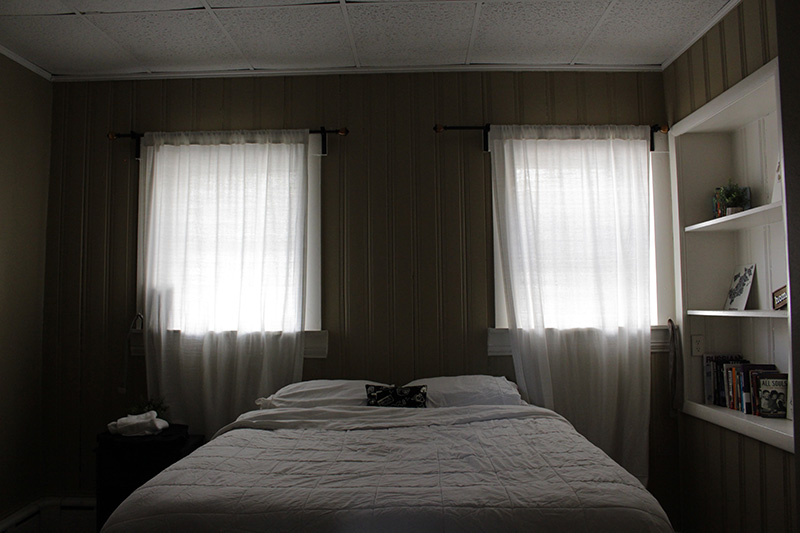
135	425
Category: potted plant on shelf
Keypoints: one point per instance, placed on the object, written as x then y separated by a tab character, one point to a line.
733	197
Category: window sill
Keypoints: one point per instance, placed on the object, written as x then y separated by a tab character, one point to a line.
315	345
499	341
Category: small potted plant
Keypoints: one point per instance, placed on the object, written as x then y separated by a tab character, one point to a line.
734	198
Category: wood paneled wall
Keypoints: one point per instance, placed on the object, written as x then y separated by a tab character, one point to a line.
406	219
742	42
729	482
25	103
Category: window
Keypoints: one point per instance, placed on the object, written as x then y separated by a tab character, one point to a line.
225	235
662	288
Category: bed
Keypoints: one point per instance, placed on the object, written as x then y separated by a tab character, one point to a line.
315	457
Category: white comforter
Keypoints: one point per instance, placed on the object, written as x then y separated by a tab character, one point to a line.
481	468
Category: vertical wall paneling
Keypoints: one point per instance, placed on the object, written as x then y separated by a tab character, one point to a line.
406	219
95	324
770	28
379	238
356	229
535	109
651	96
241	111
477	223
401	170
51	356
72	263
597	101
714	61
734	66
427	354
684	100
453	293
697	73
567	106
754	39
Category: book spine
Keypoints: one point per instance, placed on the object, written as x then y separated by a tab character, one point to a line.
708	380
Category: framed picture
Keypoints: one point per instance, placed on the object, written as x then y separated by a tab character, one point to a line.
740	288
780	298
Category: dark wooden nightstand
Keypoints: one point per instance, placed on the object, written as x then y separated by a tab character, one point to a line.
126	463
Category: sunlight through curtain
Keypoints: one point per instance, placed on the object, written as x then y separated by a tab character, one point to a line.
572	217
221	273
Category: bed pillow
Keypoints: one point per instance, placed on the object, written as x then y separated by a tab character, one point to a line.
454	391
381	396
318	393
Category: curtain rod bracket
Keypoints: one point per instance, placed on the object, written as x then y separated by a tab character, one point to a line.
653	129
439	128
131	135
342	132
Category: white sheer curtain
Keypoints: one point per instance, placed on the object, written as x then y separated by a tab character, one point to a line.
571	206
222	265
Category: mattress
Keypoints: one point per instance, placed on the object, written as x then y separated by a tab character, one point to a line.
477	468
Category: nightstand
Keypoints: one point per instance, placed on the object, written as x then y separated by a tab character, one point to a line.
126	463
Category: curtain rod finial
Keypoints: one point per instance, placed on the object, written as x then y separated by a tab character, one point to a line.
438	128
111	135
343	132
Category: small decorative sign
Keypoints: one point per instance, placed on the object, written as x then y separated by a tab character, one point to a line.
740	288
780	298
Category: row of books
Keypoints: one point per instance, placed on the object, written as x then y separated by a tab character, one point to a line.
733	382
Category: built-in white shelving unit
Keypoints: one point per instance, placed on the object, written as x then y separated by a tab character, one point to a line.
735	137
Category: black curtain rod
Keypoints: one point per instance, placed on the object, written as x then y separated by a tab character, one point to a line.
138	136
438	128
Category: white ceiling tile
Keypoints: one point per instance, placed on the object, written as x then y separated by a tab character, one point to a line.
647	32
181	41
26	7
64	45
411	33
547	32
290	37
128	6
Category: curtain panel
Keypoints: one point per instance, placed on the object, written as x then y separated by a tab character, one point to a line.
572	222
222	256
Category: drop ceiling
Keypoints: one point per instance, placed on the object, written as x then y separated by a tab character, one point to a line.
66	40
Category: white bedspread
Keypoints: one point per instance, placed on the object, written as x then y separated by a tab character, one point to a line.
480	468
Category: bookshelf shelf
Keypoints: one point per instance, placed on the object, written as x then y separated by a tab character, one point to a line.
757	216
778	432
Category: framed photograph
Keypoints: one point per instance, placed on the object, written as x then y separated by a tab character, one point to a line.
740	288
780	298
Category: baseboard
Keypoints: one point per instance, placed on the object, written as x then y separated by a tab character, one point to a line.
45	504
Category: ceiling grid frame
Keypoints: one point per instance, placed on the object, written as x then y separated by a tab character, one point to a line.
403	47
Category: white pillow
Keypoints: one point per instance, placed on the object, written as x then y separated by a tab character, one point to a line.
319	393
454	391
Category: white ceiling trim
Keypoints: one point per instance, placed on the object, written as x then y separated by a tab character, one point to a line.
25	63
360	70
724	10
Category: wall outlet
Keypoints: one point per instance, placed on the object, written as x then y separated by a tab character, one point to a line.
698	345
